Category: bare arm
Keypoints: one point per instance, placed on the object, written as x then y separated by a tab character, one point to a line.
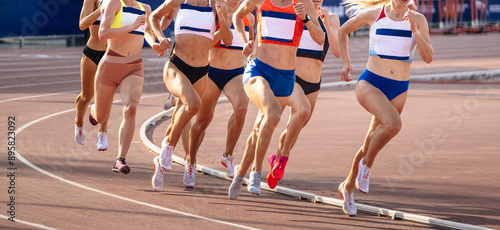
224	30
88	15
166	13
306	7
110	10
332	25
353	24
251	33
149	36
245	8
420	29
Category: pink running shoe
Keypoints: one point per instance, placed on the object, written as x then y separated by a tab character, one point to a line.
121	166
271	182
92	120
279	168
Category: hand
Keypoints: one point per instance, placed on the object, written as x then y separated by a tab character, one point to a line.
139	21
300	10
157	48
345	75
411	19
248	48
220	6
323	13
164	43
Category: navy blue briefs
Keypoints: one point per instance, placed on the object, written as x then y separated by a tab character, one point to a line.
391	88
222	76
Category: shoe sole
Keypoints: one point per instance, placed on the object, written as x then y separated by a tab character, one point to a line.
271	182
92	120
154	176
124	170
359	188
102	149
340	192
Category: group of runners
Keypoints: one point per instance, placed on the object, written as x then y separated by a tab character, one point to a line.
269	52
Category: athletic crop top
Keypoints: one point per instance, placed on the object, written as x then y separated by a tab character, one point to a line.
391	39
309	48
237	43
198	20
279	25
127	16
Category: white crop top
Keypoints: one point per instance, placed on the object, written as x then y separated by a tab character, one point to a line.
198	20
391	39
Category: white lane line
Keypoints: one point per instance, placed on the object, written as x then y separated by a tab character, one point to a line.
36	96
22	159
37	84
63	82
40	68
43	75
28	223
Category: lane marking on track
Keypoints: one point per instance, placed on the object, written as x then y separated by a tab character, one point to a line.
37	84
22	159
36	96
28	223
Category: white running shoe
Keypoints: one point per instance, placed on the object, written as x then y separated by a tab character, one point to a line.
254	185
166	155
102	141
167	104
228	163
363	177
80	135
349	206
235	187
157	179
189	174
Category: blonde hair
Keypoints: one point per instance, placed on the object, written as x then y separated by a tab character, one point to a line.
355	6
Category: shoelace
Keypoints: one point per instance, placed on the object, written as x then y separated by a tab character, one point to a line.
254	180
349	198
367	174
281	164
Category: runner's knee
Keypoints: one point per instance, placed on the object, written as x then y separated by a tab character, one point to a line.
129	110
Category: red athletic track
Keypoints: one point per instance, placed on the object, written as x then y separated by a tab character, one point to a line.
443	163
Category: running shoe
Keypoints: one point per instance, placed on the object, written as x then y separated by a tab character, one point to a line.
92	120
189	174
228	163
278	170
80	135
348	206
166	155
254	185
102	141
121	166
157	179
271	182
167	104
235	187
363	177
